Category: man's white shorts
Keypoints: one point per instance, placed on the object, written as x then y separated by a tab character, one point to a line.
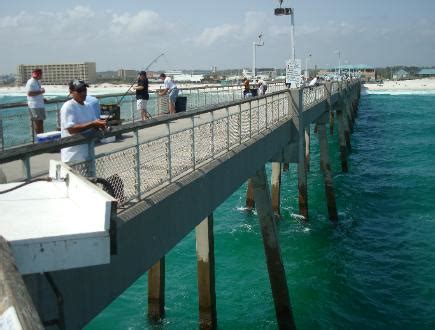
141	105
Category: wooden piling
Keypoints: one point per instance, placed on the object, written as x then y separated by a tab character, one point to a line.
342	141
331	122
276	188
275	266
326	170
307	148
16	307
250	202
156	290
206	274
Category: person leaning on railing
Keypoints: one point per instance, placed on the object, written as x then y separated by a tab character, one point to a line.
170	89
76	117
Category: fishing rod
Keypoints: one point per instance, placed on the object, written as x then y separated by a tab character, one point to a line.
151	63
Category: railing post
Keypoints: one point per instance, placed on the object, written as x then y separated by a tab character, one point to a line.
26	168
212	134
193	143
2	141
138	181
228	128
92	168
169	152
131	108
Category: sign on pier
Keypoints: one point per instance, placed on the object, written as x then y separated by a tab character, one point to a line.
293	73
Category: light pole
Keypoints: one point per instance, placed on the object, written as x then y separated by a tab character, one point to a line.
339	62
306	66
255	44
288	11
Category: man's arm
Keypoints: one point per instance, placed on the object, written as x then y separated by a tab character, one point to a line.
78	128
36	92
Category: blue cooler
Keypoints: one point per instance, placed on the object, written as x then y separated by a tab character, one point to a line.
48	136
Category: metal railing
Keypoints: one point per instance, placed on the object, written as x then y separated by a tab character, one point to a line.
16	126
161	150
178	147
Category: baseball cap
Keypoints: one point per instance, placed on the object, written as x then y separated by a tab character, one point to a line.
142	72
77	85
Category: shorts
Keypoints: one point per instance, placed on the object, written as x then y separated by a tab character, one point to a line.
37	113
173	95
141	104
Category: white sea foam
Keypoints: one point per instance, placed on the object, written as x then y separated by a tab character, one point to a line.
297	216
397	92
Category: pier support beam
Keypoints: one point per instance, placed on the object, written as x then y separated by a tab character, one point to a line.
276	188
250	203
206	274
272	251
326	170
342	141
307	148
331	121
156	290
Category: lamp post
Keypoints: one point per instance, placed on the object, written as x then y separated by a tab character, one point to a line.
306	66
339	62
255	44
288	11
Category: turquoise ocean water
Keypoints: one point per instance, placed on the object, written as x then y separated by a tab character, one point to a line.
375	270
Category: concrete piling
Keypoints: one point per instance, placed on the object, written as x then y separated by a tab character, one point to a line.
342	141
326	170
307	149
331	122
206	274
156	290
275	266
276	188
250	202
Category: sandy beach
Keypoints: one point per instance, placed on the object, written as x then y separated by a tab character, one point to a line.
426	84
94	89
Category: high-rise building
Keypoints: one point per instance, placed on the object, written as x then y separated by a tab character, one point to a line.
58	74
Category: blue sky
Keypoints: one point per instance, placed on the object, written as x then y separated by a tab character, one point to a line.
198	34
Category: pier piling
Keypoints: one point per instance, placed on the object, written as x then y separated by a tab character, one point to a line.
250	202
272	251
156	290
276	188
326	170
206	274
307	148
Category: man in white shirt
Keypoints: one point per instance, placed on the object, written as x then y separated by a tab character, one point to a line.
78	117
170	89
35	101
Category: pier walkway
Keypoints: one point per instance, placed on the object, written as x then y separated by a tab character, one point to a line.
169	174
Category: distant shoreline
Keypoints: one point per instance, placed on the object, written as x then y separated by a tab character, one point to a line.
425	84
94	89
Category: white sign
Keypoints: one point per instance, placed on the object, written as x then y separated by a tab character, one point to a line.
293	73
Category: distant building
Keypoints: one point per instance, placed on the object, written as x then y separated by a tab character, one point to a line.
426	73
58	74
364	71
400	75
124	74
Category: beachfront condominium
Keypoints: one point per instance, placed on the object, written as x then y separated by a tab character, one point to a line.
58	74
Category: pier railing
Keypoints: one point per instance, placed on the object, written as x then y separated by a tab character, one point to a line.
16	125
160	150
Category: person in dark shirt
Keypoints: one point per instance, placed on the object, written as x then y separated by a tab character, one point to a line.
142	95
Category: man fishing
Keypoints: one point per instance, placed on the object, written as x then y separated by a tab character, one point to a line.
142	95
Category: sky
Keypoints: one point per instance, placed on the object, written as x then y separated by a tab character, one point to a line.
199	34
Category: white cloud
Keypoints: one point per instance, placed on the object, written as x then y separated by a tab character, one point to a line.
141	22
219	33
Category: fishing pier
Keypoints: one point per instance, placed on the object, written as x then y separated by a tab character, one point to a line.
167	176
